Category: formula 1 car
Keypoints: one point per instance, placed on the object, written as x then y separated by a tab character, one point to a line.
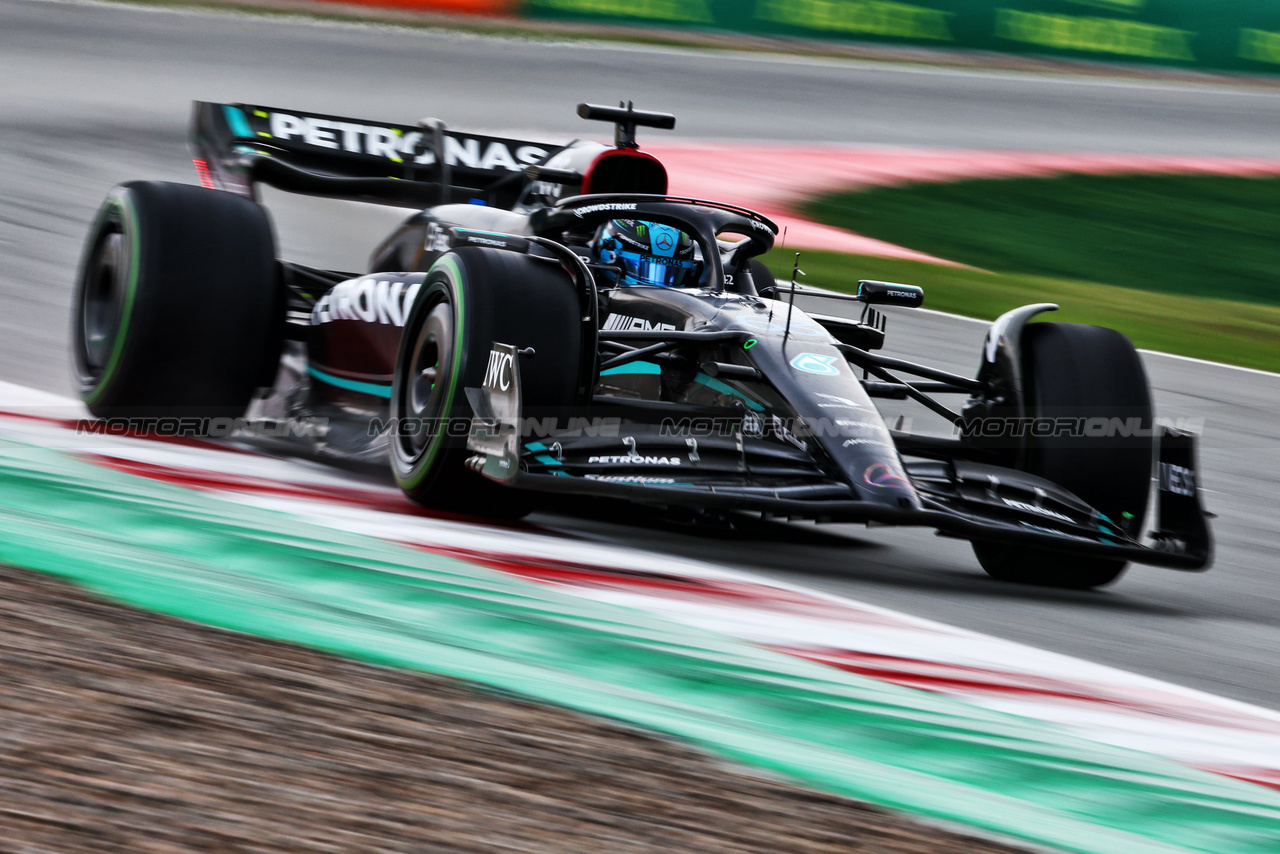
551	320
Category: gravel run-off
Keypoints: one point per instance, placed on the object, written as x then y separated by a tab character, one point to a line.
125	730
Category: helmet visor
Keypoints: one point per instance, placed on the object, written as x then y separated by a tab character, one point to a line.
642	269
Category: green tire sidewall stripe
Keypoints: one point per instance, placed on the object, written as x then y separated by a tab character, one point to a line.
449	265
119	200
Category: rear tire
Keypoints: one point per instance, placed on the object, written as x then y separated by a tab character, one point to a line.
1075	371
473	297
177	311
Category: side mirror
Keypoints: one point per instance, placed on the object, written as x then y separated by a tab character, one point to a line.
890	293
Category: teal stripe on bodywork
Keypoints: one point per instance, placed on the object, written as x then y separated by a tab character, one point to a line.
650	369
375	389
638	368
275	575
237	121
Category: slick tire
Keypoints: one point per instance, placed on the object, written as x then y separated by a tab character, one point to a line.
177	311
473	297
1082	372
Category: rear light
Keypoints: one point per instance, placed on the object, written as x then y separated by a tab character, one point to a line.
202	169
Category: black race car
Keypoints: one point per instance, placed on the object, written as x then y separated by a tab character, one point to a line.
553	321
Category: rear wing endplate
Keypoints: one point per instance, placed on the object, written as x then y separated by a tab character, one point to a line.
236	146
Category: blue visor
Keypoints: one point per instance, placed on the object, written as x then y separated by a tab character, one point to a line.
650	270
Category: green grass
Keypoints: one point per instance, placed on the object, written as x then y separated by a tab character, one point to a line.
1207	328
1207	236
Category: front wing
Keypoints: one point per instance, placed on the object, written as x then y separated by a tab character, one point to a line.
745	473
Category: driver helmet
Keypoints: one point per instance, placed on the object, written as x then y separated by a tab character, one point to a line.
649	253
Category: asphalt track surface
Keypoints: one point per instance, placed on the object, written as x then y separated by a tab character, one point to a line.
91	95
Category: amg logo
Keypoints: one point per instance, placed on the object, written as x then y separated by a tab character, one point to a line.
368	299
1032	508
635	460
1179	480
497	375
397	145
621	322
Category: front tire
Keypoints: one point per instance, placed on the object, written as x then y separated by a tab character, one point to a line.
1082	372
472	298
176	311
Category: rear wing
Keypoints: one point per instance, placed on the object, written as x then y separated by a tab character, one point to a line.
236	146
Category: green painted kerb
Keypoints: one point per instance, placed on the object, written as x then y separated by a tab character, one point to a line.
230	565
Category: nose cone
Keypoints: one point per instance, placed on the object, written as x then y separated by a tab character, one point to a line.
838	416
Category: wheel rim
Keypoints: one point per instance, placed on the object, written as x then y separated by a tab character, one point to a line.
430	365
103	302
